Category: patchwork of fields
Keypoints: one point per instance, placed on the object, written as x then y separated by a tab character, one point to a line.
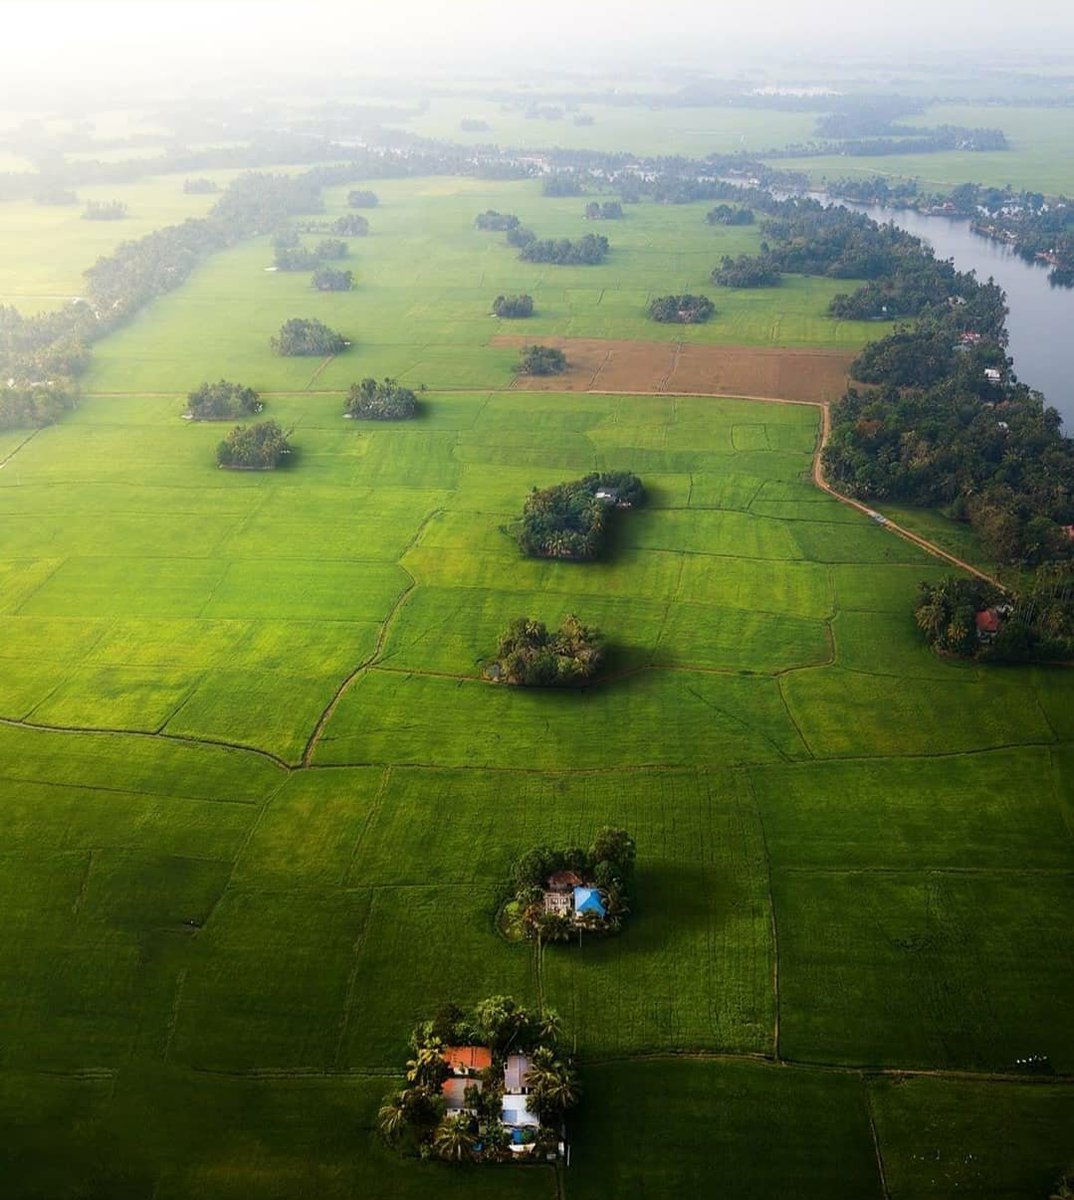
259	803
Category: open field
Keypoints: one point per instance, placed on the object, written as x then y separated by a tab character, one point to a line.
425	280
259	804
601	365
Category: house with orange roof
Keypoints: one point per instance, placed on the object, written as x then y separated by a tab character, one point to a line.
466	1061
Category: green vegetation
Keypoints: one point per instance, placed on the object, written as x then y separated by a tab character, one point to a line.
501	222
331	279
513	308
104	210
362	198
607	210
541	360
590	249
260	447
530	655
569	520
371	400
544	880
727	214
34	405
307	335
222	401
351	225
685	310
747	271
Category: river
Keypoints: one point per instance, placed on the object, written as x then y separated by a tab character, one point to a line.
1041	320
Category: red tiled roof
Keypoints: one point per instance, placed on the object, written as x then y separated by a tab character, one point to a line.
564	879
467	1058
987	621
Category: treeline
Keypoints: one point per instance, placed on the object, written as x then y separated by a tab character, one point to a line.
33	406
588	250
608	210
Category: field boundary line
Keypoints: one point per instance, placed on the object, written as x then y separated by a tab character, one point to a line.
771	915
876	1144
352	975
25	442
378	644
173	1015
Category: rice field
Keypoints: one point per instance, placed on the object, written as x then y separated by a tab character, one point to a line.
259	803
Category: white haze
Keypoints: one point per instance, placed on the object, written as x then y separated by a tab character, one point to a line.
68	42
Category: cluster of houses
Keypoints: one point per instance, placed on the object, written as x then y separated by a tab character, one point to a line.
468	1065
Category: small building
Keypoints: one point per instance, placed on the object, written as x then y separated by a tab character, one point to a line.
559	904
608	495
454	1092
515	1114
988	624
516	1071
465	1062
563	881
587	902
993	375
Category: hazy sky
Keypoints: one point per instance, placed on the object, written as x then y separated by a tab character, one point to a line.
88	38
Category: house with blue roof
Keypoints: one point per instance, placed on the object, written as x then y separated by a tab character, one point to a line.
587	903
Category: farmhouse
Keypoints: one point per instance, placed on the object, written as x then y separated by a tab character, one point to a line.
516	1072
988	624
465	1062
587	903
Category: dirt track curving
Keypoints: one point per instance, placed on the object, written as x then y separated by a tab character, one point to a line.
606	365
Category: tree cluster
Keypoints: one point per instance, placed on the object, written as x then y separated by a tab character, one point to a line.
351	225
416	1120
292	255
35	405
727	214
588	250
496	221
541	360
104	210
380	400
361	198
222	401
332	279
260	447
200	187
570	520
607	866
305	336
513	307
684	310
562	183
747	271
609	210
531	655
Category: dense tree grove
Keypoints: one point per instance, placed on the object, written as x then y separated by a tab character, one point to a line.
496	221
351	225
541	360
331	279
331	249
607	866
971	618
514	307
361	198
588	250
34	405
685	309
417	1120
301	336
530	655
609	210
386	400
747	271
222	401
727	214
104	210
569	520
260	447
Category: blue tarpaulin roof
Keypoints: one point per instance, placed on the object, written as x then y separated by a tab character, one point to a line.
587	900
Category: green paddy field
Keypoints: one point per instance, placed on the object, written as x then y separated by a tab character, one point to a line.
258	802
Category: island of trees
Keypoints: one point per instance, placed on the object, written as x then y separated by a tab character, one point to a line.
362	198
351	225
726	214
685	309
380	400
541	360
562	183
746	271
496	221
292	255
608	210
570	520
486	1085
332	279
260	447
559	894
222	401
531	655
588	250
104	210
306	336
514	308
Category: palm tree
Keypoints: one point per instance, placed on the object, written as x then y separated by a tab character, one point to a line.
426	1067
549	1026
391	1118
453	1139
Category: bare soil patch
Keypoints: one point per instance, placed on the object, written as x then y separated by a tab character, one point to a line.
606	365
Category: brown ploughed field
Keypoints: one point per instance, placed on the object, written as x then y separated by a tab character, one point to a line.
605	365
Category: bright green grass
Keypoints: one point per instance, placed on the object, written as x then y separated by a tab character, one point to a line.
211	964
44	249
425	279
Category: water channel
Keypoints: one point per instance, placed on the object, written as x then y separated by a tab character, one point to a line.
1041	320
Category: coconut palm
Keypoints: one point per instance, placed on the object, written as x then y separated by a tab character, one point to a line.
391	1118
426	1067
453	1139
549	1026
